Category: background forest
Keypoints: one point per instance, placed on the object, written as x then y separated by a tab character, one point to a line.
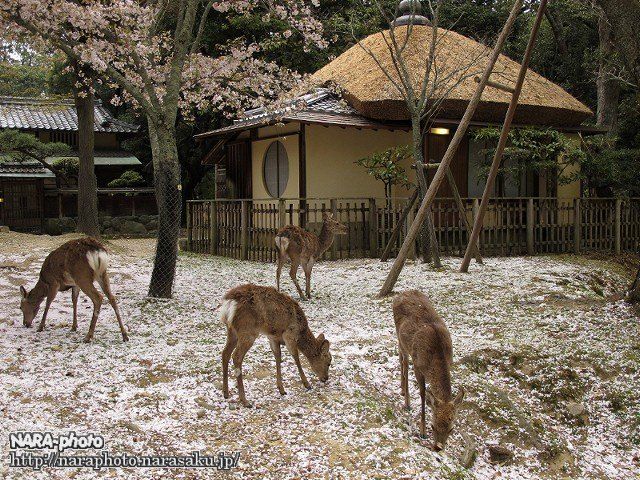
579	48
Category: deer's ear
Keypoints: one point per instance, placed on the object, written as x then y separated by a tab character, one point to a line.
320	338
458	400
23	291
325	346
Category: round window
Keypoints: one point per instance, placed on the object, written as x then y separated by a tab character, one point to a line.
276	169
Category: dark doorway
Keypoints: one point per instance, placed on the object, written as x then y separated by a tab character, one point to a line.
435	147
233	179
22	206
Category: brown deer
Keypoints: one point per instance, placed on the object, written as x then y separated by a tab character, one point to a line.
423	337
304	248
74	265
249	311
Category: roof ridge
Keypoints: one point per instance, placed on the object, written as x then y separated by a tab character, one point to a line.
9	99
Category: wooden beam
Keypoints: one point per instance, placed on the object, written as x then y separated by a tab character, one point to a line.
502	142
302	172
497	85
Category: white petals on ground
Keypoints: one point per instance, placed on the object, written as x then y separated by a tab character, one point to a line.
548	361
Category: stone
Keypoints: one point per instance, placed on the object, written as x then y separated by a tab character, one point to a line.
499	454
4	229
132	228
576	409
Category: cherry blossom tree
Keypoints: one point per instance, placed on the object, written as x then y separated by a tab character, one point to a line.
151	50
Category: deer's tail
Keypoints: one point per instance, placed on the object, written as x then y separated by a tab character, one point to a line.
282	243
228	311
98	261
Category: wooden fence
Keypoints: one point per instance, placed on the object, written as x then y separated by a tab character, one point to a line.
245	229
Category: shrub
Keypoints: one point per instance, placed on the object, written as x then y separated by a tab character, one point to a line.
130	178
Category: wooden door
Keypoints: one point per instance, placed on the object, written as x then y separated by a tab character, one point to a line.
22	208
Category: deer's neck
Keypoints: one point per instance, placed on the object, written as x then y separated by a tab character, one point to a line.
325	239
37	294
307	344
440	380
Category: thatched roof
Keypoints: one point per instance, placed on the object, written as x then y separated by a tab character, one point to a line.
366	87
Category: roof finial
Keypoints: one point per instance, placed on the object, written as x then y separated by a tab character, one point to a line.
410	12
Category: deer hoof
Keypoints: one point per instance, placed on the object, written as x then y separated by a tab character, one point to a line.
247	404
125	338
225	394
87	339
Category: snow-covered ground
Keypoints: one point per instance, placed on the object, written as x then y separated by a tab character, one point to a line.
548	358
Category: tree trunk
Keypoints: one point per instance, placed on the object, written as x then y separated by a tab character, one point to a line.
633	295
608	87
166	168
87	183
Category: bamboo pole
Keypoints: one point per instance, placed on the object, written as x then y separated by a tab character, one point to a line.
497	158
461	131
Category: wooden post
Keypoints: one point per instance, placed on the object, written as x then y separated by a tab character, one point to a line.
531	213
133	205
244	230
282	214
396	229
577	226
502	142
334	245
213	226
461	131
189	227
373	228
463	212
60	205
411	214
475	206
617	227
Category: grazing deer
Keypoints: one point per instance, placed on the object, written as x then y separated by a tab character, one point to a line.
75	265
423	337
304	248
250	310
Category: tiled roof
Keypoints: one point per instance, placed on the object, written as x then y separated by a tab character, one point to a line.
30	169
321	106
49	114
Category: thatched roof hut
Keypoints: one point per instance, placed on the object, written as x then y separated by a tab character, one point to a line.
366	87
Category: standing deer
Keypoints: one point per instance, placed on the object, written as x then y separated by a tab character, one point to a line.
75	265
249	311
304	248
423	337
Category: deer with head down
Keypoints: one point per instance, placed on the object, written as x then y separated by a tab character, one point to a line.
304	248
424	338
74	266
249	311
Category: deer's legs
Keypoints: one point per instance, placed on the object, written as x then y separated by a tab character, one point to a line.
232	341
95	296
106	288
277	352
307	267
242	348
404	379
75	293
51	294
293	273
279	269
421	386
293	350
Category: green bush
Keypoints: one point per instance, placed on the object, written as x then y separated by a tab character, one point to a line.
67	166
130	178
